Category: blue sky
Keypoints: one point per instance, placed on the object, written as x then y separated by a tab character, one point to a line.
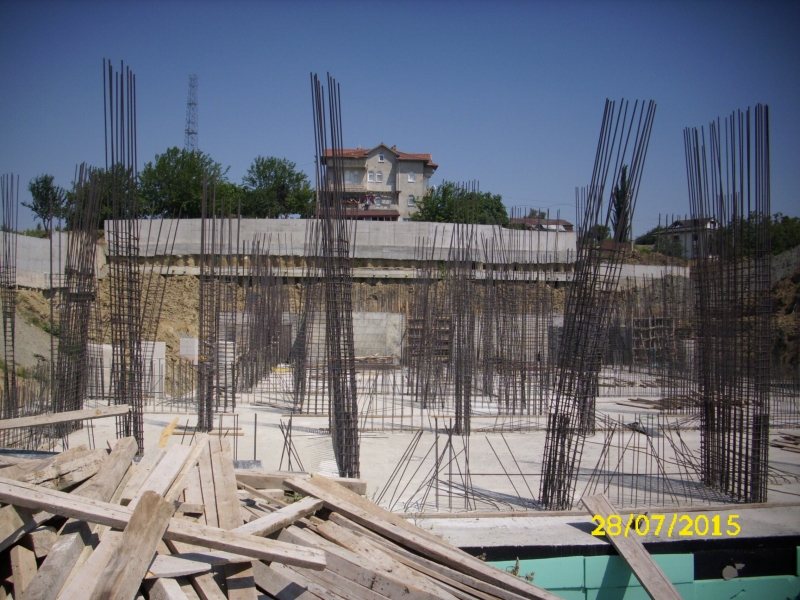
508	93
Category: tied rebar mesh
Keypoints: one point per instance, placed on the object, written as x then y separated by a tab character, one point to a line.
331	237
729	189
123	247
9	188
624	137
78	295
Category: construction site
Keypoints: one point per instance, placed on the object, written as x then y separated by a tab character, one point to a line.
333	408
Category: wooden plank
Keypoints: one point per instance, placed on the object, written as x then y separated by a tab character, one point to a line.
239	578
312	586
65	417
82	584
76	536
113	515
207	487
166	589
161	477
128	564
338	535
425	544
193	493
356	568
207	588
140	472
42	540
278	586
226	494
281	518
166	433
186	588
23	568
178	486
467	583
275	480
341	586
647	571
172	565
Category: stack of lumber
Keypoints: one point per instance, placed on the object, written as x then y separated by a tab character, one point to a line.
182	523
787	440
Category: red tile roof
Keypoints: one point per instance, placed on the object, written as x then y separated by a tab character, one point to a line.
362	153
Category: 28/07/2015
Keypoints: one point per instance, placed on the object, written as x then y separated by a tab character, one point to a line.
678	526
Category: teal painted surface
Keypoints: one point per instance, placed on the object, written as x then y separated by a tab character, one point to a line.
550	573
749	588
798	562
609	578
613	571
686	590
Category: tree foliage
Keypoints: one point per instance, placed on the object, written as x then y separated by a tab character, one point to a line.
273	187
172	185
621	207
448	203
650	237
48	200
784	233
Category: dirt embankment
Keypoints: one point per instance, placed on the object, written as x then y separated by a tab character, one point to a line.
786	307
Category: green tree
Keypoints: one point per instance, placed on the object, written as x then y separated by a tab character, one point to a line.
536	214
449	203
48	200
649	238
275	188
172	185
621	207
784	233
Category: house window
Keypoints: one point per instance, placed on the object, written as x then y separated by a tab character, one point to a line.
371	176
381	158
411	177
379	176
411	200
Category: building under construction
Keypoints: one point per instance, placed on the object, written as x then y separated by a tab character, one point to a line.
460	370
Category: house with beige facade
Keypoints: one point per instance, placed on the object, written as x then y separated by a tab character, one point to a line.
382	183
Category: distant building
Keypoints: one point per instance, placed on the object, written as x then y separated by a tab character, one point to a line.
384	184
687	232
543	224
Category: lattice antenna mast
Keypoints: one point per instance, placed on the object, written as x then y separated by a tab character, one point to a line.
190	139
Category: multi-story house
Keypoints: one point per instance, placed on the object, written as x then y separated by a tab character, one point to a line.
384	184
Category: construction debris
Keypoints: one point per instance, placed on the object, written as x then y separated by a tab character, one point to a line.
181	523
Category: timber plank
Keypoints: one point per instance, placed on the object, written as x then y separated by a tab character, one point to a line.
23	568
82	585
239	578
281	518
278	586
312	586
339	535
207	487
65	417
140	472
162	476
75	536
356	568
181	530
425	544
647	571
128	564
166	589
446	575
178	486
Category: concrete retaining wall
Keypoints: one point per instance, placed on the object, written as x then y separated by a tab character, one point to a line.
373	239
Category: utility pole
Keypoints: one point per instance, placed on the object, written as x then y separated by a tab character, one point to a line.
190	141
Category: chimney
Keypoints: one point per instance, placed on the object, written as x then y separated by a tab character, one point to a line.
394	148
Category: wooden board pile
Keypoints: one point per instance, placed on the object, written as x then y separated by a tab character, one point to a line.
180	524
787	440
